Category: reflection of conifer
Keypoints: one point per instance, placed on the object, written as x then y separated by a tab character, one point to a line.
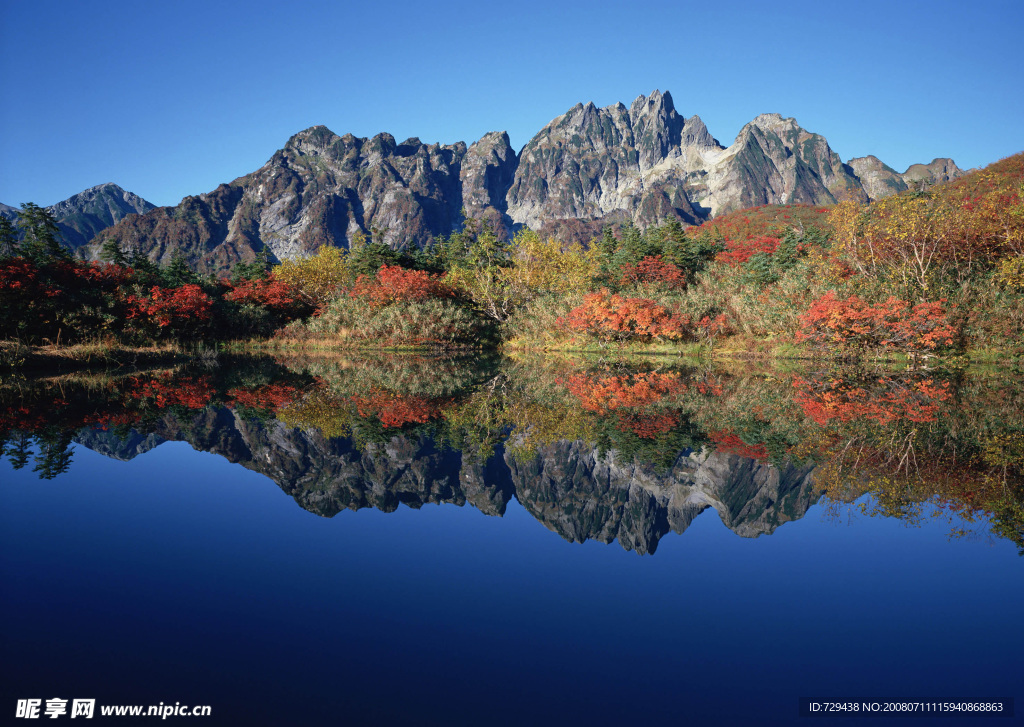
17	449
54	456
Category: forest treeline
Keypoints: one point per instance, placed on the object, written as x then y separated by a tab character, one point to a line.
916	273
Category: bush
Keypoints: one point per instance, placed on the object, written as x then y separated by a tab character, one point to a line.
393	284
850	325
432	321
611	317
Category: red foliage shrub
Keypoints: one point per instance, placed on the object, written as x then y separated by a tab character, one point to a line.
738	252
709	328
266	292
393	284
850	323
767	220
165	306
17	277
613	317
653	270
79	275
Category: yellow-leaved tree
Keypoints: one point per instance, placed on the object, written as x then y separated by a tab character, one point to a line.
530	267
319	278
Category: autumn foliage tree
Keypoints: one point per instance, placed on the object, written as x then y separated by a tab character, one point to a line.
954	230
317	279
653	270
612	317
850	325
393	284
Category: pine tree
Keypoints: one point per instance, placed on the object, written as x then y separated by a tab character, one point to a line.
42	235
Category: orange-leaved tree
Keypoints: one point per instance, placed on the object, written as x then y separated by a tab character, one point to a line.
612	317
850	325
393	284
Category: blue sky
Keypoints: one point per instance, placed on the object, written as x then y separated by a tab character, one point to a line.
170	99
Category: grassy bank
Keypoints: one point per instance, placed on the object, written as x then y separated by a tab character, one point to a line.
94	355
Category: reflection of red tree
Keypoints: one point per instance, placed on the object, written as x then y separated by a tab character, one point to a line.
602	394
884	400
729	443
50	411
166	390
268	397
395	410
26	418
647	426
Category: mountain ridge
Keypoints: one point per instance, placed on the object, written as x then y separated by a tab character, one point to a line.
646	163
82	216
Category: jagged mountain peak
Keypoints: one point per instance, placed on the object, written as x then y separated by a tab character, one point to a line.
774	122
102	196
493	137
656	101
313	140
81	216
695	133
645	162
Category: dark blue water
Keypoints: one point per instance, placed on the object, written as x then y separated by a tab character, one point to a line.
178	576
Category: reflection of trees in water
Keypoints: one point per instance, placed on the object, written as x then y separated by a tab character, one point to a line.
592	450
922	447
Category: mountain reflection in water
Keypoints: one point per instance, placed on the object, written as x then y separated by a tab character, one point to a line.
602	451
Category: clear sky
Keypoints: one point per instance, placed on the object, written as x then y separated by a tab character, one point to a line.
168	99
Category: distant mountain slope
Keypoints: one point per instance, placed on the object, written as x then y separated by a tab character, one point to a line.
646	163
85	214
880	180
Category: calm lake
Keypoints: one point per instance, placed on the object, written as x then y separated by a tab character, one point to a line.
433	540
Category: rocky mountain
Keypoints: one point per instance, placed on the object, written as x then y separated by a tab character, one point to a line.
880	180
322	189
656	165
922	176
85	214
570	487
646	163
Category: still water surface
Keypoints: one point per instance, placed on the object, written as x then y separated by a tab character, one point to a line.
431	542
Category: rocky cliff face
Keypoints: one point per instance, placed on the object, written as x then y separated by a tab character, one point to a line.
646	163
591	162
652	163
570	487
922	176
85	214
880	180
322	189
775	161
